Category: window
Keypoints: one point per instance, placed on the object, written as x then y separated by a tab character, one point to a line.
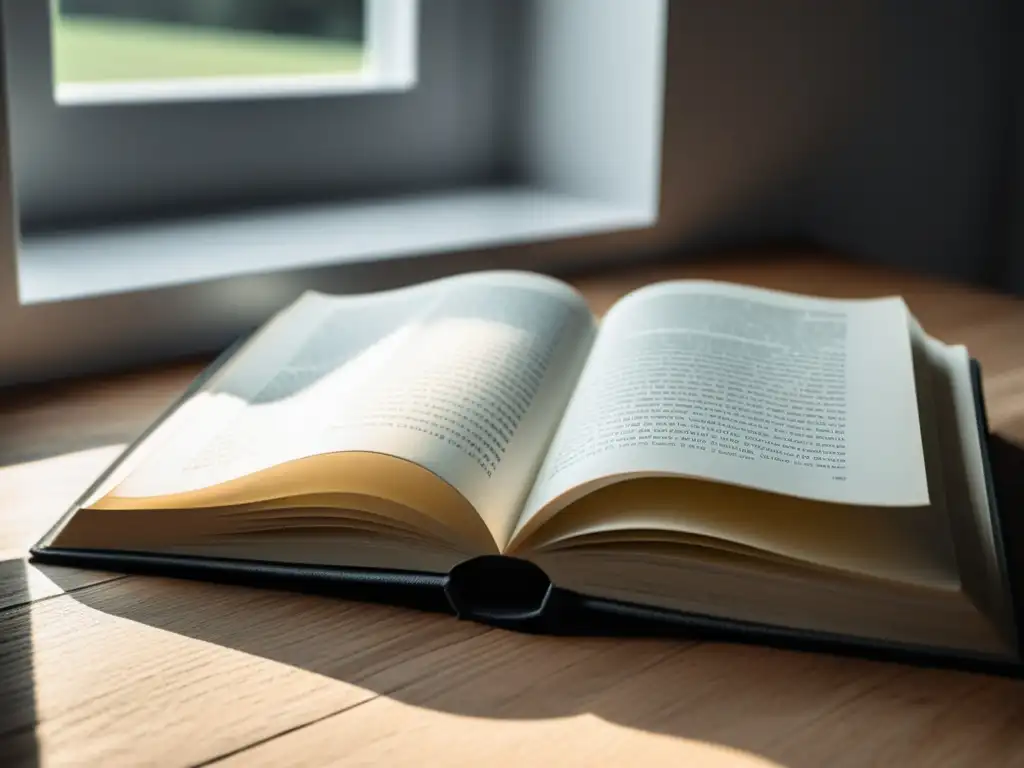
90	152
136	51
162	207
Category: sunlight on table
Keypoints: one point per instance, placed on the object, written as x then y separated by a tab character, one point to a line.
21	487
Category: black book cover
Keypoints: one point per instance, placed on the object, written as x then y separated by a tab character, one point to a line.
517	595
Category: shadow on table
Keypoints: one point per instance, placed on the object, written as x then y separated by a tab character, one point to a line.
44	427
18	744
25	589
768	703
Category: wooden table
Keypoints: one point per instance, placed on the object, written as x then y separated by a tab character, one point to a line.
102	669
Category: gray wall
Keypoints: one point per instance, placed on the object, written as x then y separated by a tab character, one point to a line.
1013	188
877	128
583	140
871	126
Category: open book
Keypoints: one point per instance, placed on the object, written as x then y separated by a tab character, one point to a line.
706	449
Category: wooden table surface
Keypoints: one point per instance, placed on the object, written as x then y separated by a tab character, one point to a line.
102	669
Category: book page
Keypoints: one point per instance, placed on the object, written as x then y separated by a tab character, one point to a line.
971	515
465	376
806	397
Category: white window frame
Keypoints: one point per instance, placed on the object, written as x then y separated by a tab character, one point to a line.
391	43
78	165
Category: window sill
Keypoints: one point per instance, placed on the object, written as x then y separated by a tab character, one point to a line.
124	259
221	89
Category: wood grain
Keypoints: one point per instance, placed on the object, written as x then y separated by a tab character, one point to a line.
22	582
97	669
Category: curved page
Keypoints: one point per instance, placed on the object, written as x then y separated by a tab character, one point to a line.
465	377
800	396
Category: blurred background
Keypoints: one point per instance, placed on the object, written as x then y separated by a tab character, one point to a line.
130	40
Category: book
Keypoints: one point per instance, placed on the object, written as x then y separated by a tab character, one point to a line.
706	455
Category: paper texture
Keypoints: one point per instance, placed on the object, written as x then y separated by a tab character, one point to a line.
466	377
805	397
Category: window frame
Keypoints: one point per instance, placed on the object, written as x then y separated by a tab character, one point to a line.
390	39
351	144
